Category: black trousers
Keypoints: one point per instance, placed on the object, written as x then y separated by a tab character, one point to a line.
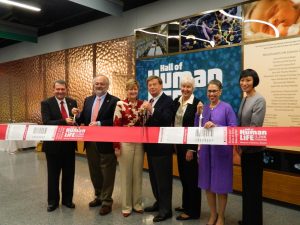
252	177
62	162
188	174
160	172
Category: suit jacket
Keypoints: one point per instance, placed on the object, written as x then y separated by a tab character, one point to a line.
162	117
105	116
188	117
51	115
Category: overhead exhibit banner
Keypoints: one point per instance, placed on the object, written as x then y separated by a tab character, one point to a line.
223	64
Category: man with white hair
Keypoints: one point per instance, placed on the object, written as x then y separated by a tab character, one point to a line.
98	110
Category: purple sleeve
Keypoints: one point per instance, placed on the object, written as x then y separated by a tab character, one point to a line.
231	117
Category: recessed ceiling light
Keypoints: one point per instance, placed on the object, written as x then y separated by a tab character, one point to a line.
21	5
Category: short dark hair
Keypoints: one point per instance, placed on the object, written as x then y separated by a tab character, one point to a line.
153	77
62	82
250	73
217	83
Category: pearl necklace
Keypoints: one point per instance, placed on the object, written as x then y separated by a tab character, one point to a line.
212	107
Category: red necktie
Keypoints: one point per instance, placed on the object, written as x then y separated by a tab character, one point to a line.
96	109
63	111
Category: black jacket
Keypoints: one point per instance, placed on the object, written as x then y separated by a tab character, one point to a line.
51	115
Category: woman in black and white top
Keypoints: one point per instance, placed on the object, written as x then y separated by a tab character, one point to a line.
185	110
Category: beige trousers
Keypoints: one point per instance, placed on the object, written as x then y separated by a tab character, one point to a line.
131	171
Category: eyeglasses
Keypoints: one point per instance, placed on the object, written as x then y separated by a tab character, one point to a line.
212	91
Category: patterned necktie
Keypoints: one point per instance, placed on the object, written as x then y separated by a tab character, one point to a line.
96	109
151	101
63	111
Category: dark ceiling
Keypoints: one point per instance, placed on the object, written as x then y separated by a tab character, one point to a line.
55	15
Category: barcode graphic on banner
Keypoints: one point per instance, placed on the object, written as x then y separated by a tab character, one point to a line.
204	135
40	130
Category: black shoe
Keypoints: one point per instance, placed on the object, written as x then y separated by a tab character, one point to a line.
70	205
179	209
51	208
240	222
153	208
160	218
95	202
105	209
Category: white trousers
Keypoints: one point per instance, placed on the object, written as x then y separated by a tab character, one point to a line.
131	163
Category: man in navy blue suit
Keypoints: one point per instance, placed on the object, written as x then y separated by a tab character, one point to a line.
60	155
98	110
160	110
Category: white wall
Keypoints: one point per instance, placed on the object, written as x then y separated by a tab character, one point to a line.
112	27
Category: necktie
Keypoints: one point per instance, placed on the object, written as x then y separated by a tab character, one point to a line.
151	101
96	110
63	111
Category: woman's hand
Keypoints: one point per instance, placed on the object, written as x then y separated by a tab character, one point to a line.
209	124
117	152
189	155
199	108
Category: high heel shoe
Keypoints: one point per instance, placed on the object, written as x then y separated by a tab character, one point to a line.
140	211
214	221
126	214
217	220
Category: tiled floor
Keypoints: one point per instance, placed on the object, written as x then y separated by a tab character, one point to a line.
23	192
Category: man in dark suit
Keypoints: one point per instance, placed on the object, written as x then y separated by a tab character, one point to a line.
60	155
160	110
98	110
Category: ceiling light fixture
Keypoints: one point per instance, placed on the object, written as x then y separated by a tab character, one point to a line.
21	5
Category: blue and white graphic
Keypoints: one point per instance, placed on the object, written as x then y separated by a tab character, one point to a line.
222	64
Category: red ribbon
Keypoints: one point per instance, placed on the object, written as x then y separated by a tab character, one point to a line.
260	136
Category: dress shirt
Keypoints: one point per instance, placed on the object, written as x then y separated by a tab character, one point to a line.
65	105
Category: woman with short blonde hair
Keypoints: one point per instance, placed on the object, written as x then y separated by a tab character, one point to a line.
130	155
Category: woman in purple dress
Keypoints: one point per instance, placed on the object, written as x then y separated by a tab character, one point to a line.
215	161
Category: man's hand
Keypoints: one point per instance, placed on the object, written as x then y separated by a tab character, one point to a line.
147	105
75	111
69	121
